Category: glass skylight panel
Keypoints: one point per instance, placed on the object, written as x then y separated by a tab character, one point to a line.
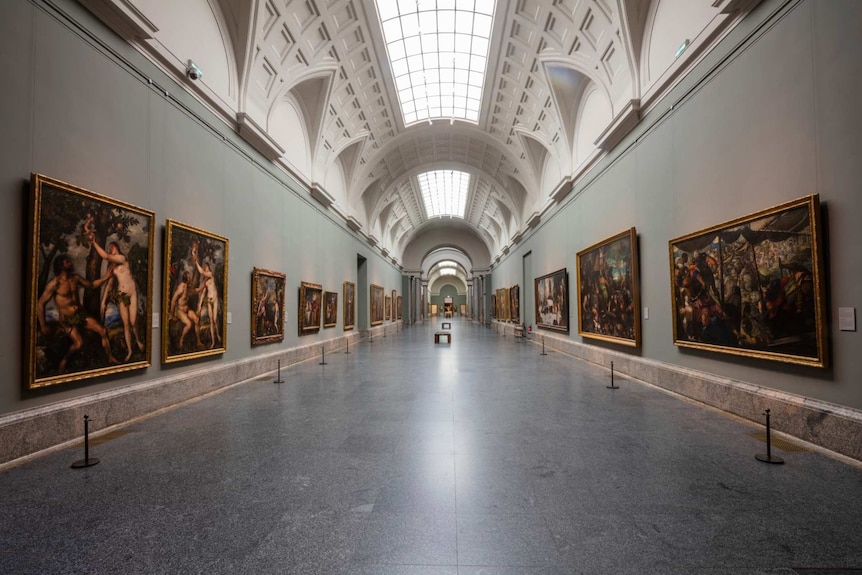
444	192
438	50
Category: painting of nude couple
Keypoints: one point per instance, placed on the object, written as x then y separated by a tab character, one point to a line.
754	286
90	298
194	300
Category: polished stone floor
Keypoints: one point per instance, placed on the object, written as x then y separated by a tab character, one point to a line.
405	457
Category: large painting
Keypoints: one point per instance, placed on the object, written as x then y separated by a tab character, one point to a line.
349	305
330	309
310	304
494	306
194	299
376	304
754	286
552	301
398	308
388	313
90	285
394	301
267	306
608	290
515	303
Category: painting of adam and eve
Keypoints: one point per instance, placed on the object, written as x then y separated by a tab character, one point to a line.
608	290
195	295
90	293
753	286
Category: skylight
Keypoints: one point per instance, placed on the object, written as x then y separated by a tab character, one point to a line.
438	50
444	192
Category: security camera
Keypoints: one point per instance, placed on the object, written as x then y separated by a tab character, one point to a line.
193	71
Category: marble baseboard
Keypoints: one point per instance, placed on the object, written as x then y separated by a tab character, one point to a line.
31	431
831	426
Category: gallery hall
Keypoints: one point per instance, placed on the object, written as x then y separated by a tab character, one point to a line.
431	287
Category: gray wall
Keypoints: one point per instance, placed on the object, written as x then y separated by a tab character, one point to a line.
449	291
82	110
772	121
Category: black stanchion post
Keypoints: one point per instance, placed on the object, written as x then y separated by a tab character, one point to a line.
348	347
767	457
370	336
543	346
612	386
278	374
87	461
322	355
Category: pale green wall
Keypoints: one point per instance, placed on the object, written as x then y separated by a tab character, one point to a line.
72	111
778	119
450	291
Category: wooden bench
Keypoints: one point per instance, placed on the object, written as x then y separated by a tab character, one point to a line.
446	334
447	325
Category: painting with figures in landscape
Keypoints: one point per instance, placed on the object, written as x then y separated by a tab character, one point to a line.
754	286
552	301
267	306
377	310
330	309
349	305
90	285
310	307
194	298
608	290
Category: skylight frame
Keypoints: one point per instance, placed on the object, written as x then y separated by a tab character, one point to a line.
444	192
438	53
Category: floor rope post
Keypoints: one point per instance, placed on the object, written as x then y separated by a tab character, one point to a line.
278	374
767	457
543	346
322	355
348	347
612	386
87	461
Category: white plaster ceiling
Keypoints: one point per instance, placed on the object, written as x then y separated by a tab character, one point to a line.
565	79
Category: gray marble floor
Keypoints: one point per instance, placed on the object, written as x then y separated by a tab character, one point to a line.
405	457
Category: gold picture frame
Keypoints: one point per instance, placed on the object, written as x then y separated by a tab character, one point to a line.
195	282
310	308
349	305
330	309
609	290
267	306
84	242
388	307
754	286
376	307
552	301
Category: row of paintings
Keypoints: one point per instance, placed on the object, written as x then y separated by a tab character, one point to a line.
315	305
91	290
384	307
753	287
506	304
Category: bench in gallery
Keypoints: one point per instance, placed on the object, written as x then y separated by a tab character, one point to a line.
446	334
447	325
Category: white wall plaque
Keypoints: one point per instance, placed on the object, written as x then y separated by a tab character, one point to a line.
847	318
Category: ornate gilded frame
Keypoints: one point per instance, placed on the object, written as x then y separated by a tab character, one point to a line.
609	290
387	315
310	308
754	286
376	304
185	248
349	305
267	306
330	309
558	282
65	222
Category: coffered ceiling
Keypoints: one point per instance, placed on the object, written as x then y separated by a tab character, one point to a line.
308	83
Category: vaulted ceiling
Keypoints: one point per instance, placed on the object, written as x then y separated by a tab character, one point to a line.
308	83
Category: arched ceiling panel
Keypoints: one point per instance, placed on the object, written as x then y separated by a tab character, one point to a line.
331	57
